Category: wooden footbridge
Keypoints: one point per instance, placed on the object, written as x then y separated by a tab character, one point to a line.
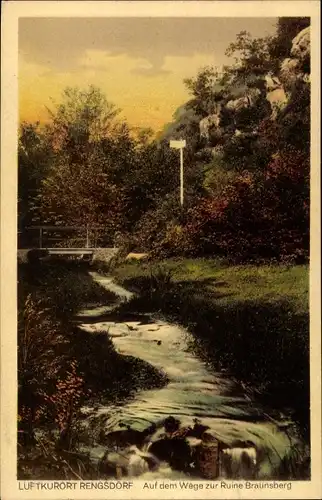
69	241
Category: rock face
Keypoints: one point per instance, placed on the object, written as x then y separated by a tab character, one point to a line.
275	94
301	44
293	68
244	102
279	88
290	73
206	124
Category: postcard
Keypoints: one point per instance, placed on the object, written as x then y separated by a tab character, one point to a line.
160	255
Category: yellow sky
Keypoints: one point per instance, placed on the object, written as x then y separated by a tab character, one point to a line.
139	64
144	102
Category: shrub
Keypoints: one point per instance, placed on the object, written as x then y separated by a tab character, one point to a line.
256	217
45	372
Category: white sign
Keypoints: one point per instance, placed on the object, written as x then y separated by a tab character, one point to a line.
178	144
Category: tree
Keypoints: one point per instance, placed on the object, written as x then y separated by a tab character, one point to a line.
34	159
252	61
205	89
80	187
259	159
287	28
83	117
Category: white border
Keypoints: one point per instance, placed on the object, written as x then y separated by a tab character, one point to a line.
11	11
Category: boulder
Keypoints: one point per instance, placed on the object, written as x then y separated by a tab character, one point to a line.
246	101
289	72
124	438
206	124
278	100
176	445
272	83
173	450
301	44
275	93
294	68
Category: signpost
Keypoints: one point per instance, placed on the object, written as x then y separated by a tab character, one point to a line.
180	145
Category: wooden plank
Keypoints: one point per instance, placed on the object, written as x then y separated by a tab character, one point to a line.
70	251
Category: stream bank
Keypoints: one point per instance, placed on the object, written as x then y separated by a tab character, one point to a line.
142	370
194	395
251	321
60	367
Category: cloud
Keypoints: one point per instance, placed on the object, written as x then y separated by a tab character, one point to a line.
150	72
93	67
138	63
150	68
60	42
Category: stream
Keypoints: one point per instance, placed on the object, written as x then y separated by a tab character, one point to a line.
193	391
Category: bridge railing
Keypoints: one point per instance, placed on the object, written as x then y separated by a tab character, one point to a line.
46	236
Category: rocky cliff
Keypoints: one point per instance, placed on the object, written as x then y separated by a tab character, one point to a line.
268	95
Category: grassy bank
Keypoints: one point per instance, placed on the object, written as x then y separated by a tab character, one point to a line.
61	366
250	320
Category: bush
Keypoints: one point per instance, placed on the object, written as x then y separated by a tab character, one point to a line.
50	389
257	217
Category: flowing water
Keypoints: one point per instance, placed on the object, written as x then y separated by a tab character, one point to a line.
193	389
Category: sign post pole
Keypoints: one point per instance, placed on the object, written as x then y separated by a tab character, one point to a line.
87	236
180	145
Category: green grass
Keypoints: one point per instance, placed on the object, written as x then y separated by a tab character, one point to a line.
271	283
253	321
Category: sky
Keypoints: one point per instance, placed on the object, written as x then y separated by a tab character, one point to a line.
139	63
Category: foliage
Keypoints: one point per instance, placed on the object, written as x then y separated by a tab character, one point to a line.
287	29
34	158
60	365
205	90
45	371
251	59
50	379
79	188
86	167
258	217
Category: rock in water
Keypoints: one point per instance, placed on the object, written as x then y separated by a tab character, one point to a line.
171	424
122	438
175	451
